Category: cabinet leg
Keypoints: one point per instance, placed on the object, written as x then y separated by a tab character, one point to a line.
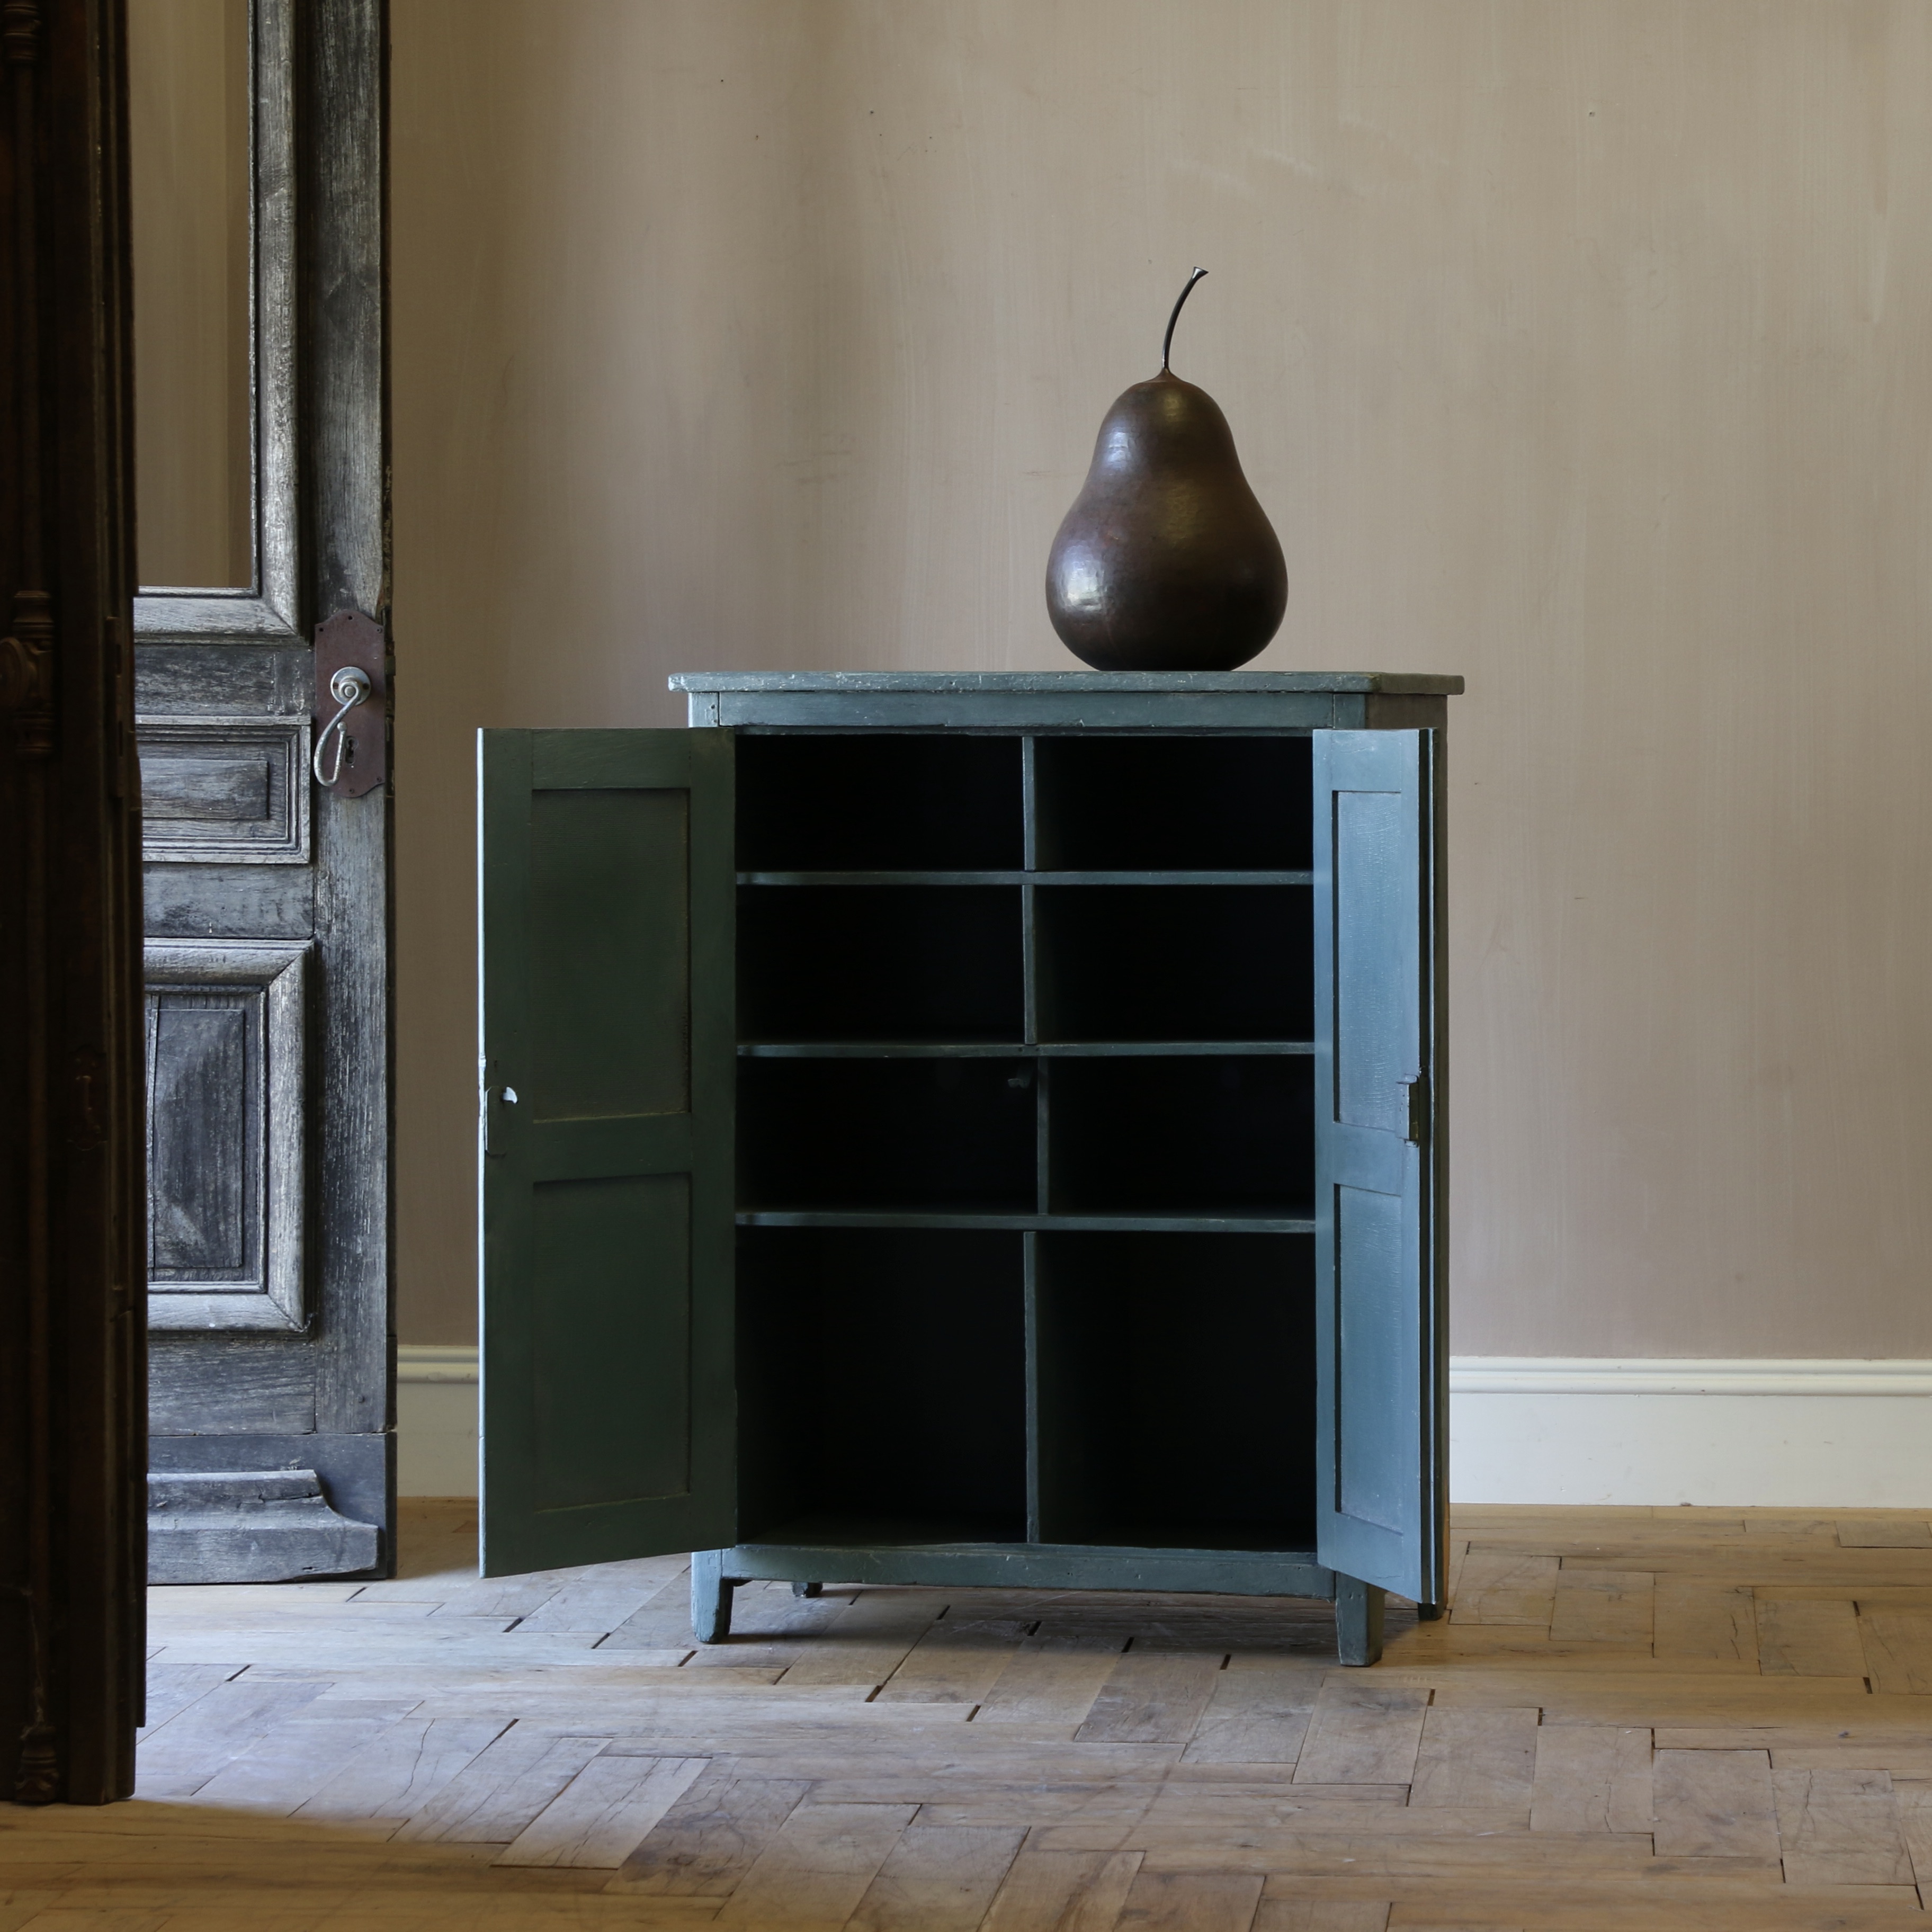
1358	1621
807	1589
710	1597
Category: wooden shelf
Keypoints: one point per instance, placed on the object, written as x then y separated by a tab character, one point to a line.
1259	1223
1054	1049
1249	877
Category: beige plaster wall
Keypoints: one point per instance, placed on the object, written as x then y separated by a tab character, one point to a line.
1584	349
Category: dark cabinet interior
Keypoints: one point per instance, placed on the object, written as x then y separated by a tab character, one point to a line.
881	1386
1025	1140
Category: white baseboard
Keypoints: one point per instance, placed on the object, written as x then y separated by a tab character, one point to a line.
435	1420
1734	1434
1545	1430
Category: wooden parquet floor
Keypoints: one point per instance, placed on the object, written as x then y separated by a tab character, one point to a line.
1632	1718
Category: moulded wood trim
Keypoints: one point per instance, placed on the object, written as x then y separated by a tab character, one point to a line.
266	608
436	1362
1583	1375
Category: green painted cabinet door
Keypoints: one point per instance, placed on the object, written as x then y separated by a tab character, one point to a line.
608	1061
1379	1301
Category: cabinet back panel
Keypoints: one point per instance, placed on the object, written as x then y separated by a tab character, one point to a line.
880	962
1176	1389
957	1134
1153	804
1175	962
1183	1135
881	1385
880	801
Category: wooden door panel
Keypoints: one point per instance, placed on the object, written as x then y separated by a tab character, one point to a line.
1378	1298
267	894
609	1055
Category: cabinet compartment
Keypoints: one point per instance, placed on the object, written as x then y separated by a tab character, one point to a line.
1135	804
880	963
1190	1134
1175	962
881	1386
1176	1389
951	1136
879	802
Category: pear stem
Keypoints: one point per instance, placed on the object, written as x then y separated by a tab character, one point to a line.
1167	340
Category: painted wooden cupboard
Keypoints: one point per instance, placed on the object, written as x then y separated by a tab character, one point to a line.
975	1129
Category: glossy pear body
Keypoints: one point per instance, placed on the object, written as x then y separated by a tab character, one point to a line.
1165	562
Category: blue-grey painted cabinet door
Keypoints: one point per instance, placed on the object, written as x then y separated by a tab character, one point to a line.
608	1062
1379	1299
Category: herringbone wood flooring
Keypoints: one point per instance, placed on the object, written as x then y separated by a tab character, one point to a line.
1632	1718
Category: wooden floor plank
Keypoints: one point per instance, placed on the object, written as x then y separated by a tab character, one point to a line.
1912	1803
1840	1827
956	1661
1051	1677
1576	1861
1715	1804
171	1687
1191	1902
603	1812
1152	1698
1476	1757
1591	1777
502	1789
866	1641
399	1772
1362	1732
1884	1532
1898	1646
1321	1915
1257	1712
180	1756
1593	1606
937	1878
817	1866
1063	1891
711	1837
288	1765
1713	1621
1505	1587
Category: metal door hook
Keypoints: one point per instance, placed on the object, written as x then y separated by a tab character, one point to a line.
350	687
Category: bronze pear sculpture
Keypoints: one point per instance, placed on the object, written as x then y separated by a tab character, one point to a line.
1165	562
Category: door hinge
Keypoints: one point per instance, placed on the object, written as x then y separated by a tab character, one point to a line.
1419	1109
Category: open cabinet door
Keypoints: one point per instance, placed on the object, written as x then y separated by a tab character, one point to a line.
1378	1303
608	1059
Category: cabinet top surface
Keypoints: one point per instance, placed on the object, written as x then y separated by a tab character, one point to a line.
1393	683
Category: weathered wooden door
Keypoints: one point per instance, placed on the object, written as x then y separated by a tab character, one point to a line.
1379	1298
609	1066
261	463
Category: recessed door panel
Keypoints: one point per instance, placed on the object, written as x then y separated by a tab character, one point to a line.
227	1064
613	1260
